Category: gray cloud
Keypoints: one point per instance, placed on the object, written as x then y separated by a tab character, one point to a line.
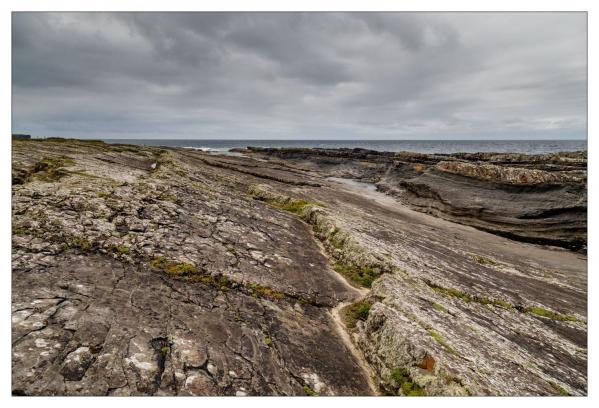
300	75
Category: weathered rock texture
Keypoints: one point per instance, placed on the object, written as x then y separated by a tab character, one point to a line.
142	271
148	271
532	198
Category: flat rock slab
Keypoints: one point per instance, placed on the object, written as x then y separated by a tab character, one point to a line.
91	325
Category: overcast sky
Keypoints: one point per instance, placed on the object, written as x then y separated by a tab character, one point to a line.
300	76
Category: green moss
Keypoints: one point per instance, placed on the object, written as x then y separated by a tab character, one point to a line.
165	350
82	174
294	206
484	260
559	389
268	341
265	291
173	268
181	269
289	205
439	339
351	314
405	383
79	242
122	249
103	194
158	262
336	239
309	391
501	303
20	230
466	297
217	281
452	292
539	311
439	307
167	197
50	169
361	276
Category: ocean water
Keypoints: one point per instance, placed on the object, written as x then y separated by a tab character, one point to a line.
421	146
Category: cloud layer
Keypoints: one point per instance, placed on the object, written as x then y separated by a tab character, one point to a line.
300	75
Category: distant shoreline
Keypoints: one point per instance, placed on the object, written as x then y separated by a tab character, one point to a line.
417	146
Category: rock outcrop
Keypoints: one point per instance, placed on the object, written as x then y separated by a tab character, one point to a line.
153	271
532	198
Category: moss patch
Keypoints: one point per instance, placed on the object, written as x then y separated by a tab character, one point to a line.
80	243
405	383
560	390
351	314
293	206
82	174
173	268
439	339
361	276
466	297
539	311
309	391
483	260
51	169
265	291
439	307
122	249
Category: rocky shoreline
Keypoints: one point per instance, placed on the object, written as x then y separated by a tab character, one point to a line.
162	271
532	198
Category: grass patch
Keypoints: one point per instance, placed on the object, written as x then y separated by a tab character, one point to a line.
406	384
439	339
361	276
355	312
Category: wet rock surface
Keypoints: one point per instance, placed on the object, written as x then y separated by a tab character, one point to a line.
148	271
532	198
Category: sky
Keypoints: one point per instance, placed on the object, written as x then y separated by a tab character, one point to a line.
375	76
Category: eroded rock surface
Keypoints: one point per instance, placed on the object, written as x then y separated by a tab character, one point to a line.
532	198
135	273
147	271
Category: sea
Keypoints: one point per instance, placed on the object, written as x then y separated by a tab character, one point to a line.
420	146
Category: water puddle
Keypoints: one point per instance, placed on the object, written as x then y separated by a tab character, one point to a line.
365	189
